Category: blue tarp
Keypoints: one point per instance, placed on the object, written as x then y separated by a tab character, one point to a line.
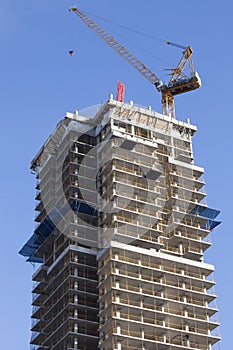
29	248
35	260
205	211
209	214
48	225
84	208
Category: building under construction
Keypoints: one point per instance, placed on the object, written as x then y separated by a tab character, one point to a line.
121	230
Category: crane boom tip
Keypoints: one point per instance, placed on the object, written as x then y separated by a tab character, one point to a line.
72	9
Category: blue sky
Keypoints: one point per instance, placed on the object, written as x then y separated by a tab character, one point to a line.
40	82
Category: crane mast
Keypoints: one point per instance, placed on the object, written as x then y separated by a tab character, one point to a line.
177	84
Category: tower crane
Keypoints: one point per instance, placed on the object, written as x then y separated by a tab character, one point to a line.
179	83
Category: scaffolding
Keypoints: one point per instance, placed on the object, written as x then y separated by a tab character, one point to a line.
121	229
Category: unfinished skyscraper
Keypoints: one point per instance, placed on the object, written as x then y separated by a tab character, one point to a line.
121	228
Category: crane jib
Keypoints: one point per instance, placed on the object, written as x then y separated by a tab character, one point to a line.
178	84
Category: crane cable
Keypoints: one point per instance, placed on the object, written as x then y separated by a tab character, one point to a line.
150	36
153	37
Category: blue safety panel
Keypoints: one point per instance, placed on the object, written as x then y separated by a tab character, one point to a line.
48	225
29	248
41	233
84	208
211	224
209	214
206	212
214	224
35	260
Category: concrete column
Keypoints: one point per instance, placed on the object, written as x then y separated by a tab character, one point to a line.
118	329
143	333
118	345
75	328
75	343
133	130
181	248
187	341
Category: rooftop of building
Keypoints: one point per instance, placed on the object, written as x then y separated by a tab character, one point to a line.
99	119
